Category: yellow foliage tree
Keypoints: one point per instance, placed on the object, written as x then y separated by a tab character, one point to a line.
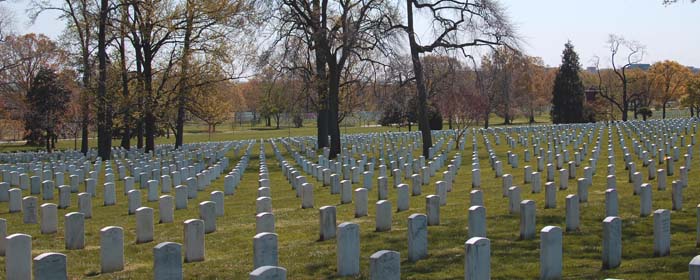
670	79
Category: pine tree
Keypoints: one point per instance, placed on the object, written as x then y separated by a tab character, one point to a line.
568	91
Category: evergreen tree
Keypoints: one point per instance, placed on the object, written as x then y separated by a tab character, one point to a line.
48	101
568	91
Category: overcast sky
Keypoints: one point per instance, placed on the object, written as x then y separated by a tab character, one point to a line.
671	32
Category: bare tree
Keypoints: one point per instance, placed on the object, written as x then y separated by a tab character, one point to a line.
632	53
457	25
335	31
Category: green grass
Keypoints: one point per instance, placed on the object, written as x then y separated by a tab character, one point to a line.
229	249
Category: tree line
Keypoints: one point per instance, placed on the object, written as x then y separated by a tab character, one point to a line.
140	69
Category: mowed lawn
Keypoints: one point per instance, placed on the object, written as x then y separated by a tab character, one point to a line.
229	250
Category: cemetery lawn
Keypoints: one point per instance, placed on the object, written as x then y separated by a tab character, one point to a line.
229	250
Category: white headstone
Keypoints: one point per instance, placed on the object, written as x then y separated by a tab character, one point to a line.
167	261
327	222
612	242
265	249
49	218
74	231
348	249
50	266
477	260
551	253
18	256
193	232
30	209
662	233
385	265
527	220
477	221
207	213
383	215
361	202
166	212
111	249
144	225
417	237
572	213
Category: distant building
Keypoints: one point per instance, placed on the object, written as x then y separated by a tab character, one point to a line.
642	66
591	69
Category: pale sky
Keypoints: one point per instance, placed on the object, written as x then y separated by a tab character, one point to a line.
671	32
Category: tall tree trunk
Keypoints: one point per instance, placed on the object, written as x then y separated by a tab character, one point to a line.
333	121
423	123
150	123
126	118
664	110
104	112
139	132
184	79
85	107
486	119
140	96
319	38
48	140
625	102
150	117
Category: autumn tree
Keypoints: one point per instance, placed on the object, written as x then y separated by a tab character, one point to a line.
692	95
29	53
533	86
670	79
641	91
567	92
213	103
47	100
456	25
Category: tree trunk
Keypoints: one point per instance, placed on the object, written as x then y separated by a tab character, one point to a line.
126	118
150	122
139	133
184	79
319	38
333	122
48	141
423	123
104	112
625	102
140	86
486	120
85	111
664	110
